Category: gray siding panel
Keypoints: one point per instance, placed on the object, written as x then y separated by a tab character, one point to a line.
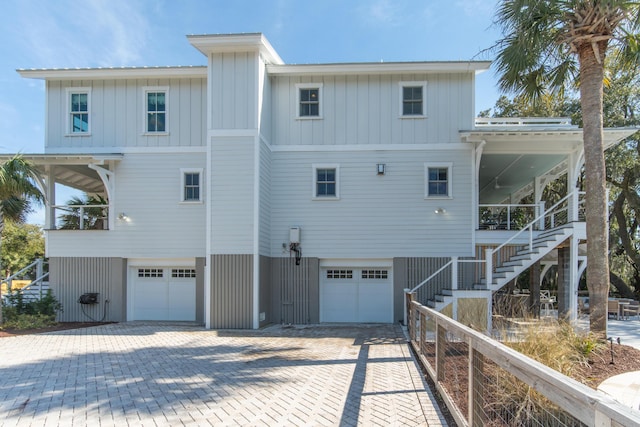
200	302
265	290
231	291
295	291
410	272
71	277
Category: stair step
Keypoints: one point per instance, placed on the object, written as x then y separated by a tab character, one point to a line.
447	292
480	286
431	304
505	269
513	263
438	298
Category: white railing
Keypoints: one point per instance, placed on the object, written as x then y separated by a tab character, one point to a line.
472	371
81	217
507	216
39	280
559	214
524	122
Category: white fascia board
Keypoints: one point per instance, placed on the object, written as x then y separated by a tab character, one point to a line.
372	147
223	43
196	71
65	159
381	68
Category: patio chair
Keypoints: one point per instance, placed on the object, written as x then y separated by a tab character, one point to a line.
633	309
613	308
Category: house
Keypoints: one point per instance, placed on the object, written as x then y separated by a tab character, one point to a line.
250	191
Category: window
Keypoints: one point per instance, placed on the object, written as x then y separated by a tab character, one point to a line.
438	180
309	100
191	185
412	99
375	274
183	273
155	102
339	274
79	100
150	272
325	182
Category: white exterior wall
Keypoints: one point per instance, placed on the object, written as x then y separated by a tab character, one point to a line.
265	199
233	90
117	118
366	110
232	180
147	189
377	216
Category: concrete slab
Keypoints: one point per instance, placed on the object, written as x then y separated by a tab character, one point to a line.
166	374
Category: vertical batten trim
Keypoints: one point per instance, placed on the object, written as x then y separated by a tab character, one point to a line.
256	196
208	201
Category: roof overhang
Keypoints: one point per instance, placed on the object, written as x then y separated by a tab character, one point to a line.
75	171
118	73
227	43
378	68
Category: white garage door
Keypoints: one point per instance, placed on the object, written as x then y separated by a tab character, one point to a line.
163	293
362	295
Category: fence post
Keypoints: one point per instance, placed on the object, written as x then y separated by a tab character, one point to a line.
441	343
541	213
408	297
476	414
488	259
454	273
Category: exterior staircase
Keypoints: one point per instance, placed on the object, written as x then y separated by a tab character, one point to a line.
508	269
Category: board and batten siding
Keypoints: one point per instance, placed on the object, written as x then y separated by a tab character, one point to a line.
295	291
148	190
71	277
365	109
117	116
232	82
232	205
376	216
265	200
231	291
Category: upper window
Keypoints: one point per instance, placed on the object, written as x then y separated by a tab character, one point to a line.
412	96
155	101
325	181
438	180
309	100
79	100
191	185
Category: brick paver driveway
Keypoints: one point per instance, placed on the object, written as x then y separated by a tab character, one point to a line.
167	374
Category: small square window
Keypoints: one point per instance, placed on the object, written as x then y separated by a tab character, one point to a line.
191	185
309	100
79	104
326	182
412	96
438	180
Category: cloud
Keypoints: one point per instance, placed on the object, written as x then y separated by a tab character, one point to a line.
383	12
87	33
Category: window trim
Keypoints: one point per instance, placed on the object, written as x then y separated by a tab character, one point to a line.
145	124
183	172
314	172
69	127
300	86
402	85
449	167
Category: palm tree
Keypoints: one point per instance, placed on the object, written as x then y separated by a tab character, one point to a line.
17	190
92	216
545	46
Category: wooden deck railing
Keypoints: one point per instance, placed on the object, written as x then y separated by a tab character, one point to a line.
485	383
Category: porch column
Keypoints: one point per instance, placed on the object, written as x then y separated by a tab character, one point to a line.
534	289
50	199
568	280
574	278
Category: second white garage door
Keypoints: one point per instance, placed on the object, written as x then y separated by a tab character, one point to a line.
360	295
163	293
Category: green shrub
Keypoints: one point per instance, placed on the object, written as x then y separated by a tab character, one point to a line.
21	314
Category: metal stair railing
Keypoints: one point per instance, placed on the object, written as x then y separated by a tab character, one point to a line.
552	213
40	277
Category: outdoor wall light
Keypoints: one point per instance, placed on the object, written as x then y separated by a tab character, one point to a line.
440	211
380	168
123	217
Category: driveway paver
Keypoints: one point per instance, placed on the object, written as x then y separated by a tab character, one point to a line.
168	375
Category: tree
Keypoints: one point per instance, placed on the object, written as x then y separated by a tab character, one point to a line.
21	245
547	45
17	190
93	217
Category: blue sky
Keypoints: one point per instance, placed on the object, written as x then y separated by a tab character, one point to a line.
113	33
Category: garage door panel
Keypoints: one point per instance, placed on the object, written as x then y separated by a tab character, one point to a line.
338	300
374	302
356	295
163	294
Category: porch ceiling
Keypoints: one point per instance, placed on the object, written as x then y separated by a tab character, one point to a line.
71	170
504	174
